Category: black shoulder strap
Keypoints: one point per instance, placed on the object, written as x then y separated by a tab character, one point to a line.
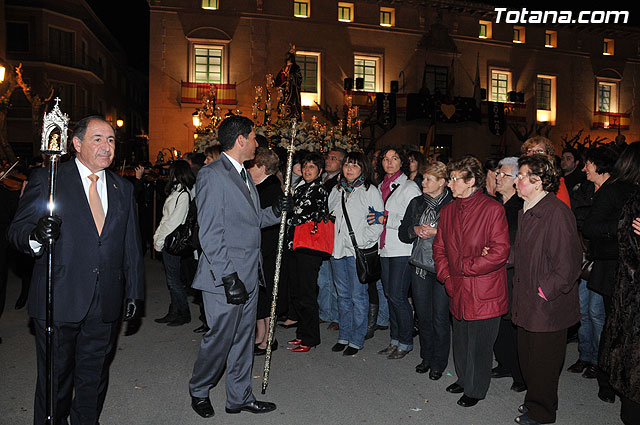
178	198
346	217
392	190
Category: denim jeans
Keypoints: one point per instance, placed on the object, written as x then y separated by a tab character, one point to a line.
431	303
174	283
353	302
396	281
327	296
591	323
383	310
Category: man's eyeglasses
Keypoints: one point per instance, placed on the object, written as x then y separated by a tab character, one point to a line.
532	151
503	174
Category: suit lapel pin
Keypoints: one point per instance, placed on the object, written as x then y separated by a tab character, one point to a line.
115	186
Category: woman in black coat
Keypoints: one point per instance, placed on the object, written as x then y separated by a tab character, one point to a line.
619	355
263	169
612	190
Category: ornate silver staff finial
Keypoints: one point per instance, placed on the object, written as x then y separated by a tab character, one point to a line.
54	131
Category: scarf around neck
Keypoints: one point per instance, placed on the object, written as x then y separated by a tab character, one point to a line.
348	187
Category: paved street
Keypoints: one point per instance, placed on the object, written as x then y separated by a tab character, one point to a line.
151	370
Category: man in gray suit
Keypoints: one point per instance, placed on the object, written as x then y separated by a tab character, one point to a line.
229	270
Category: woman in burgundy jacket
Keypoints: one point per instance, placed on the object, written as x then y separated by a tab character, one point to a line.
547	256
470	251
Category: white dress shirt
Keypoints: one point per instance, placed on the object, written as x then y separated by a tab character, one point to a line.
239	167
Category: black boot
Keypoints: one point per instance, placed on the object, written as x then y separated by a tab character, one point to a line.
169	317
181	318
372	318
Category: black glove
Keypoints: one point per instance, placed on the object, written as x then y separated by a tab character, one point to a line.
283	204
234	289
48	227
130	309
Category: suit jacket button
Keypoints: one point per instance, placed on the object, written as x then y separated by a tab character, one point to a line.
99	243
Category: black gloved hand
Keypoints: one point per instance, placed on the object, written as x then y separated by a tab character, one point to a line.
48	227
283	204
234	289
130	309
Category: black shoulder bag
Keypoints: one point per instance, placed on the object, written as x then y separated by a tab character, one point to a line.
367	259
183	240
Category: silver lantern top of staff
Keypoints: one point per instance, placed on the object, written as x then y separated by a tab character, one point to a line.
54	131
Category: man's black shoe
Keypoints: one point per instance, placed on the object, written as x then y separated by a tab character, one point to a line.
202	406
254	407
466	401
455	389
201	329
607	395
500	372
422	368
434	375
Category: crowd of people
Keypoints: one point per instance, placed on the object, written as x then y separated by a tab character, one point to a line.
499	259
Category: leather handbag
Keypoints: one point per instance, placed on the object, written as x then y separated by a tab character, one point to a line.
368	264
183	240
422	255
314	238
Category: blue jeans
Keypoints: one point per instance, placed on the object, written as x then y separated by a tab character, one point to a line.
353	302
396	281
327	296
592	318
174	283
431	303
383	310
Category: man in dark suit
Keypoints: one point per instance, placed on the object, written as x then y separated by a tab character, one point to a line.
97	262
229	270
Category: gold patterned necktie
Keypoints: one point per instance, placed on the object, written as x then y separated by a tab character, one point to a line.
95	203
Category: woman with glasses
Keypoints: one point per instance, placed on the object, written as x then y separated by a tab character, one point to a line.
397	191
356	194
419	226
470	251
506	348
539	145
547	256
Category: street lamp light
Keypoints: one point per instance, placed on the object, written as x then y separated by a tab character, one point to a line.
119	123
196	118
2	69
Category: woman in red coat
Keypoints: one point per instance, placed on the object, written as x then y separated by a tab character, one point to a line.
547	256
470	251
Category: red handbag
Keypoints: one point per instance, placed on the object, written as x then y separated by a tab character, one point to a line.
314	238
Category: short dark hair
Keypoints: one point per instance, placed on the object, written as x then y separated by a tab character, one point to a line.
360	159
542	166
470	166
404	166
417	156
81	126
180	173
603	158
198	158
232	127
315	158
572	151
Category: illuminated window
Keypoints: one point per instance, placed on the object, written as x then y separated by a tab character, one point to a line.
368	68
607	96
485	29
208	64
518	34
546	99
211	4
550	39
500	85
301	8
309	63
387	17
607	47
345	12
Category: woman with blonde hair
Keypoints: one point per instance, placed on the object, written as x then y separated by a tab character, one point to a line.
430	301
